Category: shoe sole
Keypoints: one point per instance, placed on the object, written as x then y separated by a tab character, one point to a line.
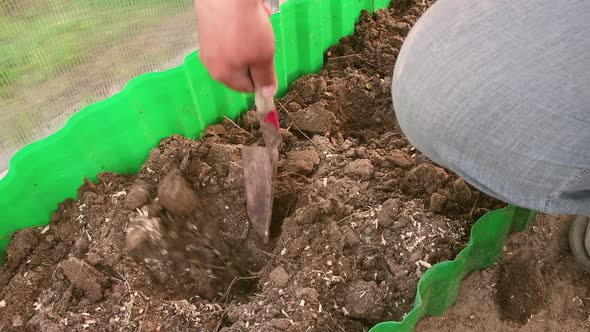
579	238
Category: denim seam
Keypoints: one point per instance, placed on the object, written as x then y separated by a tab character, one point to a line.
550	197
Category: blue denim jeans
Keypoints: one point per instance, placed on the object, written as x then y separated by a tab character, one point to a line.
498	91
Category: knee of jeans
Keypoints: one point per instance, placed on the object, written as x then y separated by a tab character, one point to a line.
411	120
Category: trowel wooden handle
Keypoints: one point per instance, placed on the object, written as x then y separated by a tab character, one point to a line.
264	105
266	110
275	5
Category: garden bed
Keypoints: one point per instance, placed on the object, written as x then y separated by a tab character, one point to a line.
359	215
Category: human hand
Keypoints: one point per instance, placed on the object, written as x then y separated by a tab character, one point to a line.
236	43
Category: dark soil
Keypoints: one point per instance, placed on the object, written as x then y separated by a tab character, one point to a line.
519	293
358	216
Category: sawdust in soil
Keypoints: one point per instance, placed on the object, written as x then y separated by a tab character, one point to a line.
359	215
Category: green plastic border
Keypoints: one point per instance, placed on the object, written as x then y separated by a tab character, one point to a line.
117	134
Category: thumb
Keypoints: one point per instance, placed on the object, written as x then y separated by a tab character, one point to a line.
264	77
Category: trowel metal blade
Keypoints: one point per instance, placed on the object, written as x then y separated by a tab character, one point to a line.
258	176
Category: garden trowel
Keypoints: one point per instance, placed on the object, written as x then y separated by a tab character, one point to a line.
260	167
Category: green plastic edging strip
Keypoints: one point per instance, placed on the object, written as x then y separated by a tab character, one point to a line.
117	134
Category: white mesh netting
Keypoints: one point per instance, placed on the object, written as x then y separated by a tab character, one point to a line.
57	56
